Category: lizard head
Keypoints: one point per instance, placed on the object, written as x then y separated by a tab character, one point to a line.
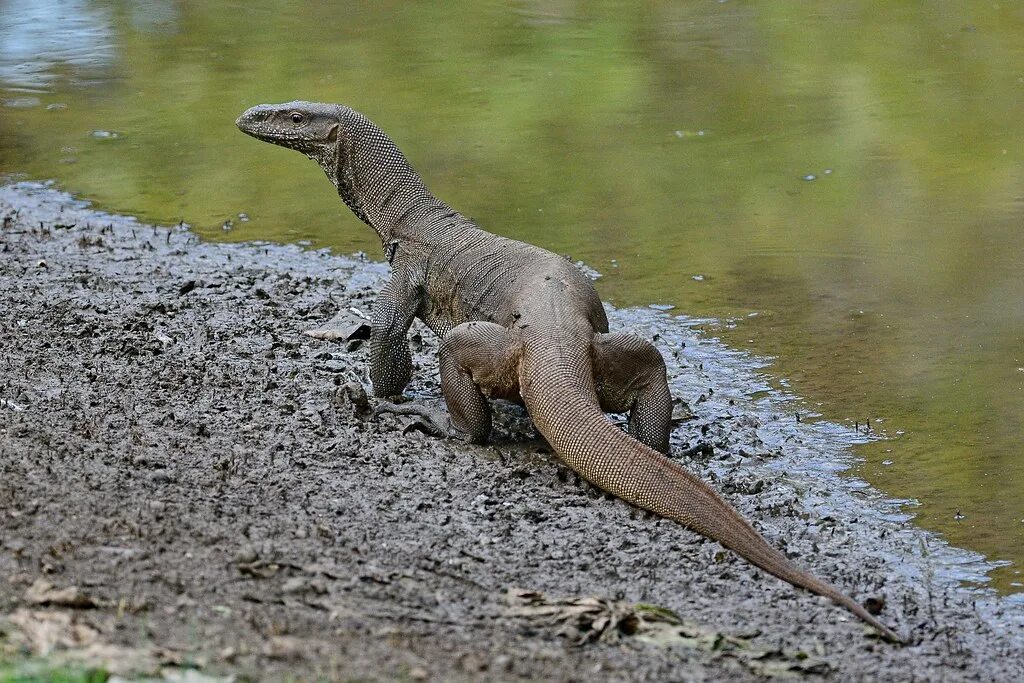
349	147
306	127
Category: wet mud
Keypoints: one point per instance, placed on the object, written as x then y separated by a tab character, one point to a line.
188	479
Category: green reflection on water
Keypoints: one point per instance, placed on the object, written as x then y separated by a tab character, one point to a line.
673	139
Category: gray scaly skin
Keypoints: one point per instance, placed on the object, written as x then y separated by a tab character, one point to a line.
515	322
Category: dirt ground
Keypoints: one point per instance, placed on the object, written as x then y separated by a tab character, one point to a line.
187	480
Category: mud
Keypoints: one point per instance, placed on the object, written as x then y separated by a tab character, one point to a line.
189	480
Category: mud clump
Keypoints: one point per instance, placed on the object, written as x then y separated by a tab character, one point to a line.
187	475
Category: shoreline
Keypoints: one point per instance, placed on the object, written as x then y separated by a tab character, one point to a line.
169	429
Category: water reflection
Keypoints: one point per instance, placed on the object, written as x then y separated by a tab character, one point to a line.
43	40
154	16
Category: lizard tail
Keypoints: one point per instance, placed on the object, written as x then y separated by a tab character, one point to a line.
609	458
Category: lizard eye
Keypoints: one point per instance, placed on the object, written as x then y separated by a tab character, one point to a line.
297	117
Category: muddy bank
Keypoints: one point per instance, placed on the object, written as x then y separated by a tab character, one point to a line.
187	479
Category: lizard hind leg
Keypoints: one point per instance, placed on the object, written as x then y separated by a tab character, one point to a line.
478	360
630	377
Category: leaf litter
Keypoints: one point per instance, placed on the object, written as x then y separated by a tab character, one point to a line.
587	620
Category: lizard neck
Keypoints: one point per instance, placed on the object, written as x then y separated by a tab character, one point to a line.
376	182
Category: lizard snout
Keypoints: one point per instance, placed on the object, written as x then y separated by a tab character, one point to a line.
252	116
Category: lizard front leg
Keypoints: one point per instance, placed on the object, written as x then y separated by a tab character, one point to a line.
630	376
393	313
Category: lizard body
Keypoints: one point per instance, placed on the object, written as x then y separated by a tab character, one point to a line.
517	322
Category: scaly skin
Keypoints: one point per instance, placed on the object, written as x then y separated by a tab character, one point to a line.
515	322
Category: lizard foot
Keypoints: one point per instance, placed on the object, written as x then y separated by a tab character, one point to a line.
432	421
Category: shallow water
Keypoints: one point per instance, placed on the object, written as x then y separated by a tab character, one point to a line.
841	187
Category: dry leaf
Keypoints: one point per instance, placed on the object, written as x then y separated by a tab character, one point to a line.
42	592
348	324
590	619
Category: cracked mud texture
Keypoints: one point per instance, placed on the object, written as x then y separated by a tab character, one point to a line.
174	447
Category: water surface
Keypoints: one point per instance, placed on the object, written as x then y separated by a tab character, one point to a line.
842	185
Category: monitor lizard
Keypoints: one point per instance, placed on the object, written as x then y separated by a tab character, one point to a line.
516	322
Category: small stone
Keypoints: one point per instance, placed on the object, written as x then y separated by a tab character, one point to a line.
874	605
246	555
296	584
